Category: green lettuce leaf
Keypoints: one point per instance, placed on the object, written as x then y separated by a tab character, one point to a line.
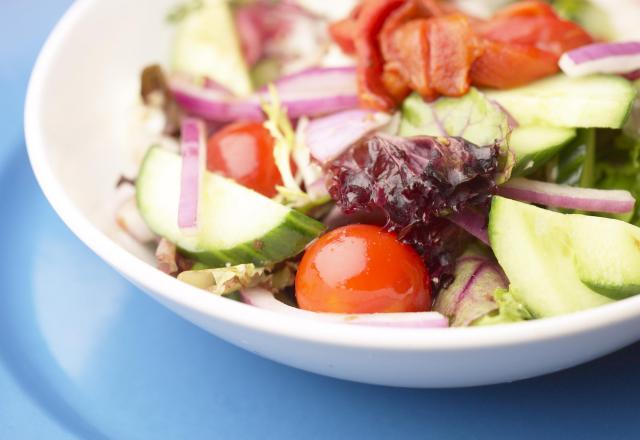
509	310
226	280
471	295
472	117
290	145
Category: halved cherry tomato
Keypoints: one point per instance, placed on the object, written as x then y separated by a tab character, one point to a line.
243	151
362	269
504	65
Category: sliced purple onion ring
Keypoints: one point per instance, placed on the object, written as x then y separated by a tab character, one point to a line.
318	91
313	92
563	196
618	57
330	136
264	299
472	222
213	103
192	147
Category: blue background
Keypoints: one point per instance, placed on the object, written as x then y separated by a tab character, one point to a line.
83	354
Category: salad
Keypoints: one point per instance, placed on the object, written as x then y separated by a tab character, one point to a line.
407	163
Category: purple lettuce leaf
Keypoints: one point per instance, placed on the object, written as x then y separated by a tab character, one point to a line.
471	295
417	182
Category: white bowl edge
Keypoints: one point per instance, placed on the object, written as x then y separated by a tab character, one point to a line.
252	325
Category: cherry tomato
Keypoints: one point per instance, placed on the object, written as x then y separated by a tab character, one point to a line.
243	151
362	269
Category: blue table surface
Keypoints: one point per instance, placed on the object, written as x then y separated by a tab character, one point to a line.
84	354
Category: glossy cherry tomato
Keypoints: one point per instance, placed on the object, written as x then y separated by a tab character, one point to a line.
362	269
243	151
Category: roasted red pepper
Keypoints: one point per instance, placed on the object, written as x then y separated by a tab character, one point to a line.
505	65
453	49
371	18
429	47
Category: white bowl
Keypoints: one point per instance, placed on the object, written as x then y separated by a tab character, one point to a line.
81	90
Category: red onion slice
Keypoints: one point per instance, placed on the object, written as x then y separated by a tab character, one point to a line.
314	92
618	57
472	222
563	196
318	91
265	300
213	103
192	146
330	136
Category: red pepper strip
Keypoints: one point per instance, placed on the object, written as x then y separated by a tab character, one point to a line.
529	8
412	55
454	47
343	32
434	8
504	65
550	34
372	90
408	11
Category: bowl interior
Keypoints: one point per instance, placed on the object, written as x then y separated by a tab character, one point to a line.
89	101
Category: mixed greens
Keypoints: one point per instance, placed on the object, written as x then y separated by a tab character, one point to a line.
412	164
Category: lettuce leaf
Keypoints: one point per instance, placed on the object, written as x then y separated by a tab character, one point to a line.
472	117
289	144
509	310
471	295
226	280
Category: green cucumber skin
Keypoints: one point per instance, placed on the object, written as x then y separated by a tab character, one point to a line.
531	246
560	101
284	241
528	163
538	159
616	293
289	238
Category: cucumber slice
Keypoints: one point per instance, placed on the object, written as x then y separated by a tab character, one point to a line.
236	225
535	248
206	44
559	101
607	255
533	146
